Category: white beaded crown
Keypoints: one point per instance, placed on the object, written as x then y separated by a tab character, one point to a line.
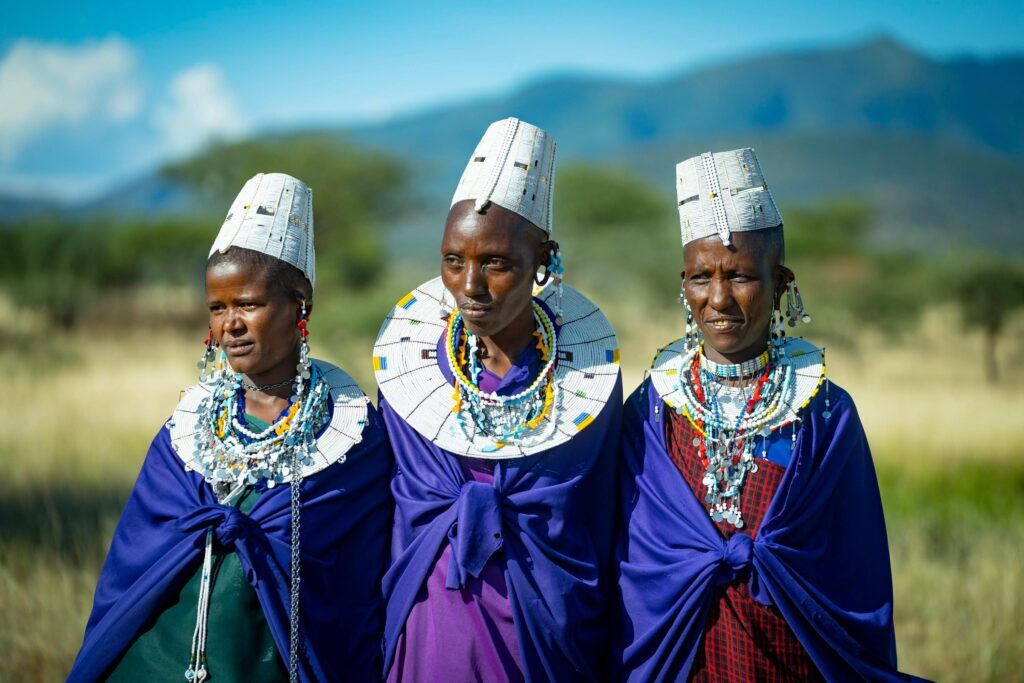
721	193
514	167
273	214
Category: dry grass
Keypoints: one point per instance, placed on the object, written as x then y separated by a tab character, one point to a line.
77	415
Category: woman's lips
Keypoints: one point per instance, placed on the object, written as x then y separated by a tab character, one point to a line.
475	313
238	348
722	325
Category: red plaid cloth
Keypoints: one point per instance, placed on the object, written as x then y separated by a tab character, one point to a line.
743	639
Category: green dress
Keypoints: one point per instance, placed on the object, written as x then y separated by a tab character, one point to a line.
239	646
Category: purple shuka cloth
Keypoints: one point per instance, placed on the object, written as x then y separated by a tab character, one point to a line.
820	555
502	576
481	609
158	546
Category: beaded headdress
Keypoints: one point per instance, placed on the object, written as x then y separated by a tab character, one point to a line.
721	193
514	167
273	214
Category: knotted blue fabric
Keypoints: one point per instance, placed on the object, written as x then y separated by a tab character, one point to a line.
476	534
820	555
736	558
158	545
550	514
228	523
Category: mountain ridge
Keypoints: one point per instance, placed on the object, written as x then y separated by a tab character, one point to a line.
935	146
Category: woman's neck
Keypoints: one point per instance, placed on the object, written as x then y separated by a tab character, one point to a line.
735	357
502	349
263	397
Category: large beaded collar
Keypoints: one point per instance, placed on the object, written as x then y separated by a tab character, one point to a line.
807	360
345	429
406	363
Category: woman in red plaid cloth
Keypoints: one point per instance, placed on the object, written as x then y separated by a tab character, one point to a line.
752	545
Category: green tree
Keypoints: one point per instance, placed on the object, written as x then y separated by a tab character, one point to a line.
61	268
988	291
616	227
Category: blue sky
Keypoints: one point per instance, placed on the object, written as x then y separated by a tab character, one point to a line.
91	96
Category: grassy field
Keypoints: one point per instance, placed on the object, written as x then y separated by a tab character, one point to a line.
77	414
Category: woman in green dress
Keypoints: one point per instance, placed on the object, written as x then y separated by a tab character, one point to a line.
254	542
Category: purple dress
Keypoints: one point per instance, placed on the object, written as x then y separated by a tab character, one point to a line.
480	610
488	538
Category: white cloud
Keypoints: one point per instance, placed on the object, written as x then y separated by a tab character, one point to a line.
199	108
44	85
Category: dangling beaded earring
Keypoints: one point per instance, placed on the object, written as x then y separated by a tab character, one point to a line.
795	305
778	328
446	310
557	272
692	338
208	363
303	368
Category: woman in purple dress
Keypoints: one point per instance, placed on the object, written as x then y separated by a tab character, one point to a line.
501	394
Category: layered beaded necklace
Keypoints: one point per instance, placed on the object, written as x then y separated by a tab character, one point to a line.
229	453
501	418
726	445
231	456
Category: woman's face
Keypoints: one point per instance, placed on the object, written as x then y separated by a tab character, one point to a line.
254	323
488	263
732	292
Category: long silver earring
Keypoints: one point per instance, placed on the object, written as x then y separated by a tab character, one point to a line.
446	310
304	368
795	305
692	337
557	272
778	327
208	363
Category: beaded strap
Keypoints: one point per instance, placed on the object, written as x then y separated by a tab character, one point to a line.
735	371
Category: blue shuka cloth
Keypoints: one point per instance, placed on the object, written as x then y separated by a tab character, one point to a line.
345	519
552	514
820	556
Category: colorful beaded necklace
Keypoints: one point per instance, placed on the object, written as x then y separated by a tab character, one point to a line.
502	418
229	453
726	446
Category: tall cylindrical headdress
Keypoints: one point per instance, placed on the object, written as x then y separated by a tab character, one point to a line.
721	193
273	214
514	167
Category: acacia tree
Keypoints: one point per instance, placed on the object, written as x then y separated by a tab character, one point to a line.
988	291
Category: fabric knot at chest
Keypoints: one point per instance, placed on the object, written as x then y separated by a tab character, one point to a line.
228	523
476	533
737	558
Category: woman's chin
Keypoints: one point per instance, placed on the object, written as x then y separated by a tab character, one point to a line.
729	347
242	366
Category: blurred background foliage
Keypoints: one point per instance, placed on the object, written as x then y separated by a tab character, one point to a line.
617	230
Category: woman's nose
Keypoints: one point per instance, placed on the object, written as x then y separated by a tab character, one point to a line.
720	294
474	284
233	321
